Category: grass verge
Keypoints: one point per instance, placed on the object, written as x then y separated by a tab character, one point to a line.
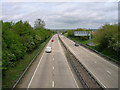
108	52
12	74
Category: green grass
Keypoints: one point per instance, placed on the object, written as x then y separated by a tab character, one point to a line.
12	74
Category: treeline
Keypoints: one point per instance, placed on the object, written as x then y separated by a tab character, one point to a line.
18	39
107	37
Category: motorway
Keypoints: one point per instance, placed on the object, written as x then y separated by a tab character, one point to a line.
53	70
105	72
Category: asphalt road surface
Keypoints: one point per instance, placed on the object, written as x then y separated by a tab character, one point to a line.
105	72
53	70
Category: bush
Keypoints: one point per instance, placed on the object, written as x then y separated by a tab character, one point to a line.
107	37
19	39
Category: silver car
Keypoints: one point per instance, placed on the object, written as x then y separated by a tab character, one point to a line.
48	49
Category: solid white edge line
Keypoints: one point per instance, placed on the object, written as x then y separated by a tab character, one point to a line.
95	55
100	57
70	69
89	71
53	67
35	71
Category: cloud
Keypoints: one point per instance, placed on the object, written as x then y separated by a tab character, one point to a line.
63	14
59	0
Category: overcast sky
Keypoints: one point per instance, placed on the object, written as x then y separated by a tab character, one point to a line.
62	15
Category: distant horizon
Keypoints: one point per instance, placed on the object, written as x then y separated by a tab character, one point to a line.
62	28
49	28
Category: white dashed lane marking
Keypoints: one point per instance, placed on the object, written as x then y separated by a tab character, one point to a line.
95	62
53	84
108	72
53	67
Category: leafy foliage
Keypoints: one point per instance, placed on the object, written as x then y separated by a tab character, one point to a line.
39	24
18	39
107	37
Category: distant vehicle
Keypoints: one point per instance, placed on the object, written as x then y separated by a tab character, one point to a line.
48	49
52	40
76	44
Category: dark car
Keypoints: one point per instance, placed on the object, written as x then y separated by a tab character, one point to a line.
76	44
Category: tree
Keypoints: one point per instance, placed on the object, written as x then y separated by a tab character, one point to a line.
39	24
107	37
19	39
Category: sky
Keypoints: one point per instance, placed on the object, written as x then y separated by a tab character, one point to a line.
62	15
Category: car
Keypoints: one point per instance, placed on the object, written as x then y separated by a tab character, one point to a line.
76	44
48	49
